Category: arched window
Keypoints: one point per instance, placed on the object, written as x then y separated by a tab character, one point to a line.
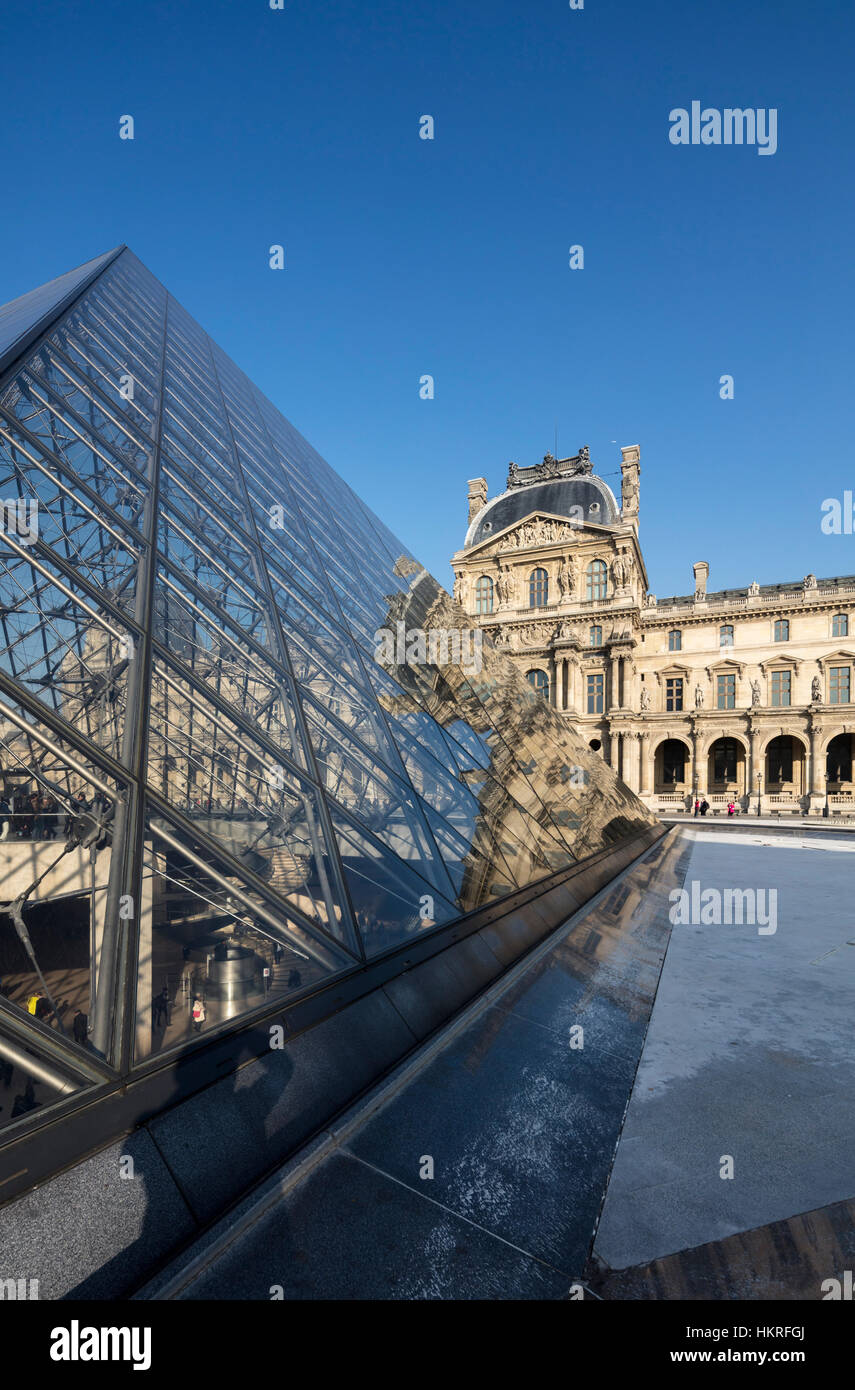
596	579
484	595
725	635
725	753
539	681
779	760
838	761
675	640
673	762
782	630
840	625
596	635
538	589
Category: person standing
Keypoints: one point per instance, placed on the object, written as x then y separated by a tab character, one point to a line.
697	807
198	1014
705	806
161	1007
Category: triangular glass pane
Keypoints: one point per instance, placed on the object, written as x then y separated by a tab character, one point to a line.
240	792
391	902
208	937
29	310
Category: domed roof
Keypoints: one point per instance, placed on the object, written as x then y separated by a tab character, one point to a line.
575	495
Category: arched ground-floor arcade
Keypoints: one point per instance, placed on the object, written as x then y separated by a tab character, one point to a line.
806	766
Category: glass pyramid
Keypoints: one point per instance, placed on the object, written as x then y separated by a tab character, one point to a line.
247	742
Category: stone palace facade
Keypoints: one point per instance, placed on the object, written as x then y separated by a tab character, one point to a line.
739	694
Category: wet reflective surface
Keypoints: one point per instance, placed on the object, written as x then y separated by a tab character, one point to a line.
482	1174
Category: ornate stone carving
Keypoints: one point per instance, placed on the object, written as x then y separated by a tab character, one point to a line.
630	468
621	572
699	697
579	465
629	493
756	696
816	691
650	600
505	588
539	531
753	589
534	634
645	701
810	581
566	578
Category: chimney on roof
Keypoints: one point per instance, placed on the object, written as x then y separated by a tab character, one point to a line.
477	496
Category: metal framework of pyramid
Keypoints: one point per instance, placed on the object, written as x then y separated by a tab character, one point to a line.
218	791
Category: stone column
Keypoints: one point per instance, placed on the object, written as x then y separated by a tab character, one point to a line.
575	691
816	783
630	772
630	684
645	779
755	760
614	693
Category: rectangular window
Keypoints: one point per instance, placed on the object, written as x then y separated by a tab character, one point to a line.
726	692
781	687
674	693
838	685
595	694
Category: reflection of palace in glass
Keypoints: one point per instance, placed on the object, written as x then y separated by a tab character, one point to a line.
216	796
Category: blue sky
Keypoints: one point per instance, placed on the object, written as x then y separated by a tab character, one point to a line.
450	257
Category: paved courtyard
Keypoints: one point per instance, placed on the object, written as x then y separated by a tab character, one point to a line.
749	1053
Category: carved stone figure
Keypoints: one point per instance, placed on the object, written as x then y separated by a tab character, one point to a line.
755	693
566	580
645	700
620	570
699	697
650	601
629	492
583	464
505	588
458	588
753	589
816	690
810	581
